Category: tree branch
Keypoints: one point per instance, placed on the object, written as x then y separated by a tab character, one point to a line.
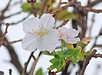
13	23
12	15
13	55
95	2
3	35
86	62
7	6
34	64
88	9
26	64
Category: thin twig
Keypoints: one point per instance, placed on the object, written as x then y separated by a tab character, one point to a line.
88	9
33	8
95	3
97	55
63	23
98	45
88	58
59	4
64	2
26	64
13	23
5	32
34	64
12	14
86	62
7	6
42	7
12	42
64	7
7	24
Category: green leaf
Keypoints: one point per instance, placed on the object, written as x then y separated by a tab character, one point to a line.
57	64
37	5
81	56
69	46
59	54
63	43
39	72
59	60
79	48
50	2
82	45
26	7
62	15
74	55
71	54
87	53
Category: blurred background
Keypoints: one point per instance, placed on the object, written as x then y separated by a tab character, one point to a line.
13	56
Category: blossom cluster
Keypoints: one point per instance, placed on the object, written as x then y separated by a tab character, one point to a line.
41	34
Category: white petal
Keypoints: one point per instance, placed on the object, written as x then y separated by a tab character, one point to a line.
72	32
47	21
30	42
49	41
72	40
31	24
63	29
69	32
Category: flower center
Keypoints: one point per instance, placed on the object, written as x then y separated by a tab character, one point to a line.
41	33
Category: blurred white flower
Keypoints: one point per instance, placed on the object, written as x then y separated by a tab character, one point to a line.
69	35
40	33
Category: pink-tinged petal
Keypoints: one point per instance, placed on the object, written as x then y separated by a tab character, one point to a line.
72	40
63	32
63	29
72	32
69	32
31	24
30	42
47	21
49	41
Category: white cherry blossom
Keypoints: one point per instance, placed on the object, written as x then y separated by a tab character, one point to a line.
40	33
69	35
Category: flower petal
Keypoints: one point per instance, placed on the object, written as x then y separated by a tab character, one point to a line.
49	41
72	32
47	21
69	32
63	31
72	40
30	42
31	24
